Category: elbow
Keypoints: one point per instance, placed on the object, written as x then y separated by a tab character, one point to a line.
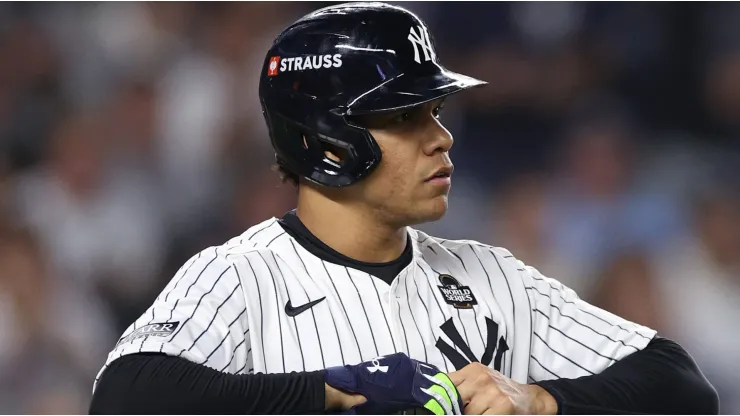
694	394
117	392
706	400
684	384
98	406
686	393
106	401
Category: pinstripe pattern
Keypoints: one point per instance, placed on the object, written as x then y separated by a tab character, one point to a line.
295	323
383	310
313	313
431	327
364	311
225	337
413	319
331	317
231	305
344	308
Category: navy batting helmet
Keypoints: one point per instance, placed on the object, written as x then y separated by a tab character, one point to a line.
341	61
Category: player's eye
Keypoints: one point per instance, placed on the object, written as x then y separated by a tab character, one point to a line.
402	118
437	112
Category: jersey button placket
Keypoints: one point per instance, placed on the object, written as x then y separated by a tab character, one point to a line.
395	311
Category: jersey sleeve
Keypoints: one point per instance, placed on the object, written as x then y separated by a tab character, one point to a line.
200	316
572	338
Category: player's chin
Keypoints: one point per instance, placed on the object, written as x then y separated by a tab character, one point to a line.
431	209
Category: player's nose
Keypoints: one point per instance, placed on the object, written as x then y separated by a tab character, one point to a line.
439	139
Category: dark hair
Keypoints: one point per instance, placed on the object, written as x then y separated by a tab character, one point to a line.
286	176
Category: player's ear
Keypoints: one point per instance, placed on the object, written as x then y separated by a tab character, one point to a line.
333	153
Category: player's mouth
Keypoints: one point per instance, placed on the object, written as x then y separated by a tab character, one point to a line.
441	176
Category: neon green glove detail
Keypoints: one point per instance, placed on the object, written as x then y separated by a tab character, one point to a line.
445	399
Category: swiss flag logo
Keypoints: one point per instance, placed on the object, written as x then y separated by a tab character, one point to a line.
272	69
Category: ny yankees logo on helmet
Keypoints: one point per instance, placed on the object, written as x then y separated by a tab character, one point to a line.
421	40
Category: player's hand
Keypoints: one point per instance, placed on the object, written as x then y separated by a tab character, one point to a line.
395	383
339	400
485	391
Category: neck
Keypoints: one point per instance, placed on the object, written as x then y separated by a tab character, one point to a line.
350	230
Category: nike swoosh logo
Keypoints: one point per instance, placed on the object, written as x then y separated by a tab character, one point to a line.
295	311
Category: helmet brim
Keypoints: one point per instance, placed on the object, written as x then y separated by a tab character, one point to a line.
409	91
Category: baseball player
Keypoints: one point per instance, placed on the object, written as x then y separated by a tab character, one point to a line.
342	306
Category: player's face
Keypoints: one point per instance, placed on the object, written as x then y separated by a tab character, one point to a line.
412	181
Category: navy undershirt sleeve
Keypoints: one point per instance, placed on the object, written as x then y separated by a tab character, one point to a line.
660	379
160	384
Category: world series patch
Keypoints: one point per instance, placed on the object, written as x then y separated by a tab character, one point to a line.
461	297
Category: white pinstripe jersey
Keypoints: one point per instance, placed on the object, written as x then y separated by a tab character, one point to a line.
226	309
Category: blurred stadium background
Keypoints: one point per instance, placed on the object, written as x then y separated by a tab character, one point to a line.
604	152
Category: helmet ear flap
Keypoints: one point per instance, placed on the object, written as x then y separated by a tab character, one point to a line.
332	152
336	153
320	146
358	156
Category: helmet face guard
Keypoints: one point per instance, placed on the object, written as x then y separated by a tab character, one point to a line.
346	60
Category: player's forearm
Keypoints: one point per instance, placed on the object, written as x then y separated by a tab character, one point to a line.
543	403
158	384
661	379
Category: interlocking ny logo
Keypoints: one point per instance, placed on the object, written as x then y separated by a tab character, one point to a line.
376	366
491	346
421	40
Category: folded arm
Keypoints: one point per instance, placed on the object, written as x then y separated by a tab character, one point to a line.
660	379
161	384
592	361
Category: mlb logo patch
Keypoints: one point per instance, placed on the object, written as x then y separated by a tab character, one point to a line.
272	69
163	329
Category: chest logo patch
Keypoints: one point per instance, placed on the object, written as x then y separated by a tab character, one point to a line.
294	311
461	297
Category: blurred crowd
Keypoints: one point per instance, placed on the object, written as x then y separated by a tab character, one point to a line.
605	152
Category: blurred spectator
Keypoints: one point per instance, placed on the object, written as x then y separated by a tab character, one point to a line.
99	229
594	206
627	288
30	98
53	337
5	184
519	225
132	127
209	95
721	61
723	90
274	199
699	280
139	37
